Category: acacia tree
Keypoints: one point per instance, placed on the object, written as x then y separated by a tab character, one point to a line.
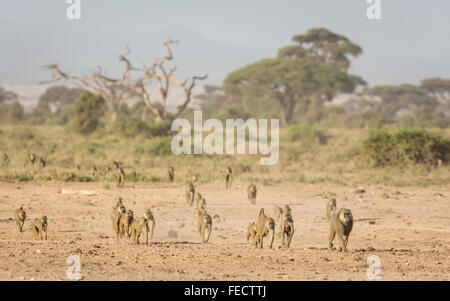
438	88
289	81
115	91
6	95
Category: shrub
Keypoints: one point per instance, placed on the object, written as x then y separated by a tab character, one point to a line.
306	134
160	146
405	147
88	109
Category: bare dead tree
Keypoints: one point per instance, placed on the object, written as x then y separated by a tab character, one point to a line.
115	90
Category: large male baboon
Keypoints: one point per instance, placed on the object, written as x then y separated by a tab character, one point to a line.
143	226
263	227
125	223
39	227
341	224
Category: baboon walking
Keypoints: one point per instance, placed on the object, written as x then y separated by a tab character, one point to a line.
251	193
288	228
251	231
190	191
263	227
204	225
39	227
228	177
171	171
143	226
125	223
20	216
331	209
116	215
341	224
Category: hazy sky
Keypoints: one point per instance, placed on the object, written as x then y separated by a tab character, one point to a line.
409	43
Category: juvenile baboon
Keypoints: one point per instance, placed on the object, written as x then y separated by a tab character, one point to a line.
263	227
20	216
39	226
288	228
119	177
251	232
201	205
118	211
30	158
190	191
251	193
42	162
143	226
341	224
228	176
331	208
194	180
5	160
171	171
204	224
125	223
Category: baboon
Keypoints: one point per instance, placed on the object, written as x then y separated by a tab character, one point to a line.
201	205
263	227
194	180
116	215
39	226
331	209
119	177
93	172
228	176
279	221
20	216
190	191
125	223
204	224
288	228
42	163
30	158
198	198
251	232
117	165
251	192
171	171
341	224
143	226
5	159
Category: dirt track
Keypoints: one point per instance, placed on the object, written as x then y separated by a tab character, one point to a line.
408	228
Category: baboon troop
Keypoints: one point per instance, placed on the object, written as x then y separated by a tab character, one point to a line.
171	172
264	226
190	192
20	216
125	223
331	209
251	193
341	224
39	227
204	225
228	176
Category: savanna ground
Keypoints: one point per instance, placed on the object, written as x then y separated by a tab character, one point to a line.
403	216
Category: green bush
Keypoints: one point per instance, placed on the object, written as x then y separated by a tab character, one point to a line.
306	134
405	147
88	109
160	146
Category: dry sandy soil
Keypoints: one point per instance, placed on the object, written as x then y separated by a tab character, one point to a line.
407	227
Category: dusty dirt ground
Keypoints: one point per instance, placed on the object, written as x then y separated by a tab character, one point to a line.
407	227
